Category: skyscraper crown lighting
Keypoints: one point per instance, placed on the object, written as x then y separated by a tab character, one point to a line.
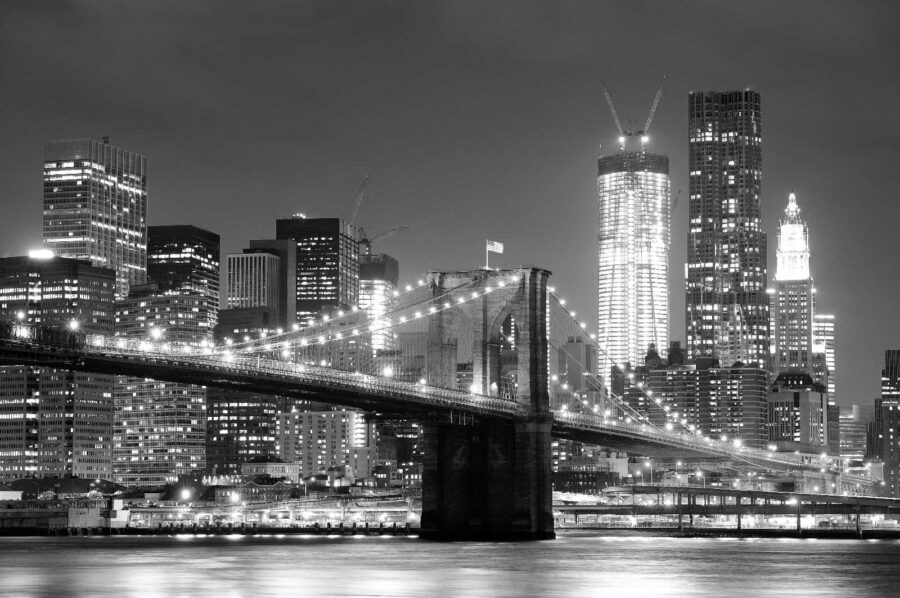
793	244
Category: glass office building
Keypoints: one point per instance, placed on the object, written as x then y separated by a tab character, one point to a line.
95	207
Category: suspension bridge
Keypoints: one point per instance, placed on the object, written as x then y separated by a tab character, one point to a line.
490	361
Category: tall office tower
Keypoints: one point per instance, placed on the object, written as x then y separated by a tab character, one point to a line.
184	259
95	207
379	275
327	263
55	422
727	308
890	422
319	440
633	231
160	428
823	343
794	299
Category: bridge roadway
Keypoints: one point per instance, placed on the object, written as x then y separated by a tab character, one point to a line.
377	394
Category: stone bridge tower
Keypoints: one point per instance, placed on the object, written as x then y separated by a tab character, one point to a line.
484	478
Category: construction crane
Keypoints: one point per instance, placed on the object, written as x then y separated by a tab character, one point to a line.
365	243
643	132
353	209
624	134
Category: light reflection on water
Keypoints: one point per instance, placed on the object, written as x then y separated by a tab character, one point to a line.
573	565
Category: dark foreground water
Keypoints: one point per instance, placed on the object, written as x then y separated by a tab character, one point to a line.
573	565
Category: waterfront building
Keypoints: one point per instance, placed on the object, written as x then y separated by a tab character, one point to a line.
727	307
160	429
320	440
184	259
271	467
240	427
327	263
889	430
95	207
798	414
55	423
379	275
634	236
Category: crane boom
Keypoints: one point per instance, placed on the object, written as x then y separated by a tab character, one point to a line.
353	208
365	244
653	107
612	109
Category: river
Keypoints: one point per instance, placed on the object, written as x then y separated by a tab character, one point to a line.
576	564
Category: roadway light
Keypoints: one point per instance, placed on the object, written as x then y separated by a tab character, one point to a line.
20	315
73	324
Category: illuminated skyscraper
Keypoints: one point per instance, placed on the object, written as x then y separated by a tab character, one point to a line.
634	236
184	259
95	207
823	343
379	275
727	308
55	422
327	273
794	294
889	432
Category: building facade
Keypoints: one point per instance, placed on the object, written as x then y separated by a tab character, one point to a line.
95	207
253	281
56	422
717	401
184	259
327	266
798	413
633	232
240	427
727	307
320	440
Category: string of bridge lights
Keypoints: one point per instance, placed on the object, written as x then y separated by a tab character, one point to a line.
669	414
446	301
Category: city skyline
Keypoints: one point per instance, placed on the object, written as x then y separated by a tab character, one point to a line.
315	163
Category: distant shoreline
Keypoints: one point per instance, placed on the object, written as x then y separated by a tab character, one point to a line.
823	534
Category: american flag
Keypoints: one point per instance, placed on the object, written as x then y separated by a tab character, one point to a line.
494	246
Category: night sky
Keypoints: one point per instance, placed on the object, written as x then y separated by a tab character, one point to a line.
476	120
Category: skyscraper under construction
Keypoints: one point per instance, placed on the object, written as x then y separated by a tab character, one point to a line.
633	233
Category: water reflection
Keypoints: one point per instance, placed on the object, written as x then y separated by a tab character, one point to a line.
574	565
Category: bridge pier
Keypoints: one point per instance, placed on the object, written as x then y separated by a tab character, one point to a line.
488	481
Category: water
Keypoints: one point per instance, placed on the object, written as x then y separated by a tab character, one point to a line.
573	565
